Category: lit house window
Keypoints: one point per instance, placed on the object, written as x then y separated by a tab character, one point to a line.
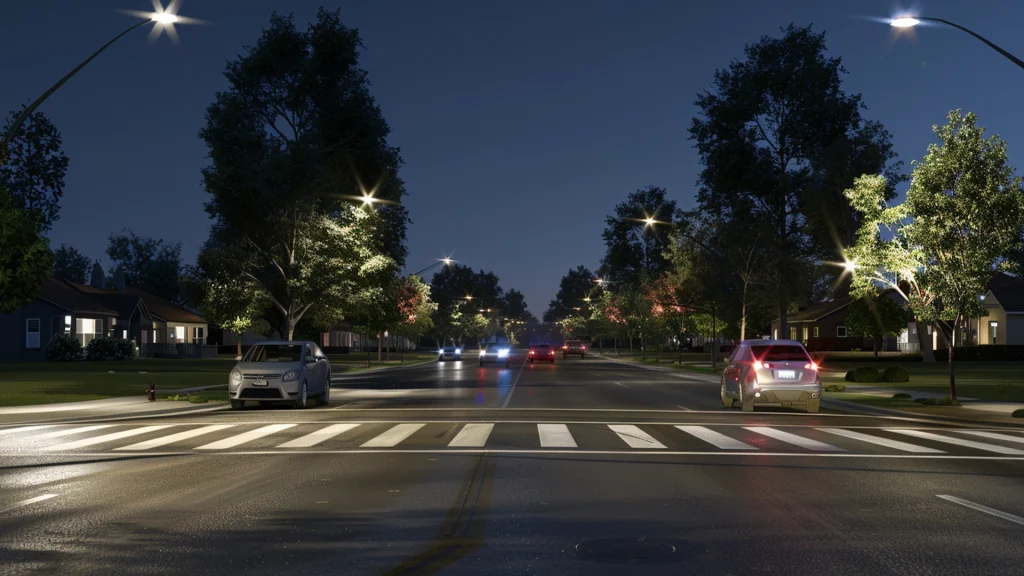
815	331
67	324
88	330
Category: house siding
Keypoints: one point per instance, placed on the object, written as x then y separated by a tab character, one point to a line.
1014	329
12	330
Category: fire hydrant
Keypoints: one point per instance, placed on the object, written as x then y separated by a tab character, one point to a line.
152	392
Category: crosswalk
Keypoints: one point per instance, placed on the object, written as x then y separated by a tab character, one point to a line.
376	436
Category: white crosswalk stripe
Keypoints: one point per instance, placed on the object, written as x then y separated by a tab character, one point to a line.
171	439
245	437
555	436
888	443
993	436
793	439
959	442
393	436
472	435
107	437
319	436
635	437
716	439
58	433
5	431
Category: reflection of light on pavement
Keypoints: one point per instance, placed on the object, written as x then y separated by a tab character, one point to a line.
478	399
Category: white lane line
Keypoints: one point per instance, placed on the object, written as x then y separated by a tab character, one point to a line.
472	436
895	444
635	437
392	436
59	433
794	439
683	408
993	436
319	436
620	384
522	368
26	502
171	439
107	437
555	436
23	429
980	508
245	437
716	439
958	441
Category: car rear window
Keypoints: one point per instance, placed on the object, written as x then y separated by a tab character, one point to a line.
572	342
542	346
274	353
779	353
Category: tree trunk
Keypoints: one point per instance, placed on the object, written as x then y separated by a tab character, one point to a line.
743	314
783	322
874	345
950	346
379	347
239	346
927	354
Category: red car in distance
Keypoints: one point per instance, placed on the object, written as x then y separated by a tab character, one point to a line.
541	353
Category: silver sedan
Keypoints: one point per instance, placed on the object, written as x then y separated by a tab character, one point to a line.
285	372
773	373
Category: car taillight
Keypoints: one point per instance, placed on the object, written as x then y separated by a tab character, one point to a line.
565	346
552	352
758	365
811	366
531	352
583	347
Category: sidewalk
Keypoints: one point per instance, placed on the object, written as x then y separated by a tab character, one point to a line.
1001	408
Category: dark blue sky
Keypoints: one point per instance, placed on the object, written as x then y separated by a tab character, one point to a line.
522	123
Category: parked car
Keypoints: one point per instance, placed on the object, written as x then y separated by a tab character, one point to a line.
771	372
497	353
542	353
449	353
574	347
286	372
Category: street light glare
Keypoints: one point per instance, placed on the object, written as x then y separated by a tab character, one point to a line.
447	261
650	221
164	18
904	22
849	265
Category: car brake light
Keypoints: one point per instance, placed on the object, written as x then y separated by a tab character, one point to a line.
758	365
811	366
583	347
767	364
565	346
552	352
531	352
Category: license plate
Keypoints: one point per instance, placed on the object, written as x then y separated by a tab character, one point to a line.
260	382
786	374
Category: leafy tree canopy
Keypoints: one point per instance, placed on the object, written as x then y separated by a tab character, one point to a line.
576	287
34	168
148	264
70	264
25	257
635	249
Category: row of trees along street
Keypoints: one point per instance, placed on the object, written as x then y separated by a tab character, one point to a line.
795	202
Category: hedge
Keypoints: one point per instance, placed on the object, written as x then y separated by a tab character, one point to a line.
64	347
896	374
987	353
107	348
863	374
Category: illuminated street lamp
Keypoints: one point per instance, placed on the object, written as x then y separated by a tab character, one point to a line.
163	20
906	21
446	261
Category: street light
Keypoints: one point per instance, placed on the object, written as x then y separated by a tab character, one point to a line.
163	20
912	21
446	261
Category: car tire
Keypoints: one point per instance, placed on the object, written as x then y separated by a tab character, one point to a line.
813	406
303	400
727	400
440	358
237	404
481	363
325	398
582	356
746	402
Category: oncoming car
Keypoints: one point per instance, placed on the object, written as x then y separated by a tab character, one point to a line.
773	373
281	373
449	353
497	353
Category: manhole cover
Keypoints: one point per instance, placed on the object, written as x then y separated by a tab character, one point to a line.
634	550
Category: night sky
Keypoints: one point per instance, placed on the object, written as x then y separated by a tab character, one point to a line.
522	123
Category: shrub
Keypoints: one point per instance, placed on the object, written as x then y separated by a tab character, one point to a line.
110	349
1018	413
863	374
896	374
197	399
64	348
834	387
902	396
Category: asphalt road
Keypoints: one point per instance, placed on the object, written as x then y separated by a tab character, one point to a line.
583	467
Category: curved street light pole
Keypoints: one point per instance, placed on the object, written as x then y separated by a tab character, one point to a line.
38	101
990	44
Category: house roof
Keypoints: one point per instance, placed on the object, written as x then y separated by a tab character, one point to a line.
164	309
819	310
1009	291
64	295
123	304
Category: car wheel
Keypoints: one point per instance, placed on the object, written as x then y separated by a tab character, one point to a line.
813	406
440	358
726	399
582	356
325	398
481	363
237	404
746	401
303	398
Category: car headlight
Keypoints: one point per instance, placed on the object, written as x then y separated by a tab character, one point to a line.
440	351
458	350
290	375
503	353
236	377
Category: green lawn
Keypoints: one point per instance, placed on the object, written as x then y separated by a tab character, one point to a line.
26	383
998	381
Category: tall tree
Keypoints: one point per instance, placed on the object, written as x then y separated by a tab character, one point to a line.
25	257
964	214
34	169
415	308
636	248
293	140
70	264
876	316
147	264
574	295
780	140
460	292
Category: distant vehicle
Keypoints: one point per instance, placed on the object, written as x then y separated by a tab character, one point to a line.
574	347
542	353
289	372
771	372
497	353
449	353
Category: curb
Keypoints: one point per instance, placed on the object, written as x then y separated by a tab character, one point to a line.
698	376
363	371
844	406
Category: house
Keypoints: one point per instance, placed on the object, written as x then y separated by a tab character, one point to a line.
822	325
59	308
1004	307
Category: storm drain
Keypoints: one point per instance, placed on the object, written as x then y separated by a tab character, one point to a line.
641	550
